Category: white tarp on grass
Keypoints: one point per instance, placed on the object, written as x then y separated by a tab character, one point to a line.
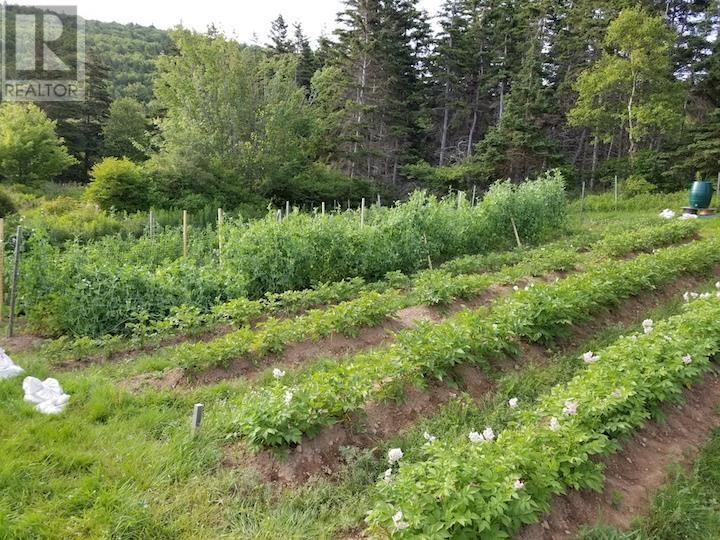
47	395
8	369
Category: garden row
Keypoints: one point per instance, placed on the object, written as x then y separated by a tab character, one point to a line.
281	411
488	485
103	287
371	303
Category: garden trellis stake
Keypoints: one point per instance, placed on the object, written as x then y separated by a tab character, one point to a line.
2	266
185	233
517	236
15	278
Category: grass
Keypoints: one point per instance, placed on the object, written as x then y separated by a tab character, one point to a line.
688	507
122	465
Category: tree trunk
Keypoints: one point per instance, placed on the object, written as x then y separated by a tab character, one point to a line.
593	168
631	138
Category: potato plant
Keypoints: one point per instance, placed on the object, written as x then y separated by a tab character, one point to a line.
489	488
279	413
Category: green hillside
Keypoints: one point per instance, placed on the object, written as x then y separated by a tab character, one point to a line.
129	51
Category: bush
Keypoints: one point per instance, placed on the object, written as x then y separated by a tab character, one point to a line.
7	206
118	184
635	185
102	287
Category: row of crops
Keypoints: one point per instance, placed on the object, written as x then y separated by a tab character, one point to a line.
107	286
470	474
280	412
488	485
364	305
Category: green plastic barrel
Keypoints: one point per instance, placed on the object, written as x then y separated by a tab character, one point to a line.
701	194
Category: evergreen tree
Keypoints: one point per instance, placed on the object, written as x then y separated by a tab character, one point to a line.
80	123
307	64
280	43
518	146
380	51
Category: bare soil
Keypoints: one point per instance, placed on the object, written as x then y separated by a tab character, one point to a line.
323	454
634	474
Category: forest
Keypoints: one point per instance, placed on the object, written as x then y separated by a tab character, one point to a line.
392	100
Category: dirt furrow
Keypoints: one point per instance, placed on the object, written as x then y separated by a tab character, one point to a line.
378	422
634	474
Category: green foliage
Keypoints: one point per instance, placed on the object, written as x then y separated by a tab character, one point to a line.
118	184
636	185
631	85
303	250
622	243
130	52
125	131
280	412
7	206
99	288
30	150
647	202
235	123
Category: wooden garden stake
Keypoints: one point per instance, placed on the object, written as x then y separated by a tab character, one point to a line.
517	236
219	232
616	192
196	419
474	194
151	224
15	277
185	233
362	212
322	208
287	209
428	251
2	266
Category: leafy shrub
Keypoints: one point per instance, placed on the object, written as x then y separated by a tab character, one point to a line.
118	184
636	185
30	150
102	287
7	206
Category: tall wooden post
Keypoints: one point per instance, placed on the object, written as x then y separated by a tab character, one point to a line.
220	235
616	192
2	266
287	209
474	194
362	212
15	277
185	233
322	208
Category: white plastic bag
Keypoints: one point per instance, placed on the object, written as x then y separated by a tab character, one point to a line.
47	395
8	369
